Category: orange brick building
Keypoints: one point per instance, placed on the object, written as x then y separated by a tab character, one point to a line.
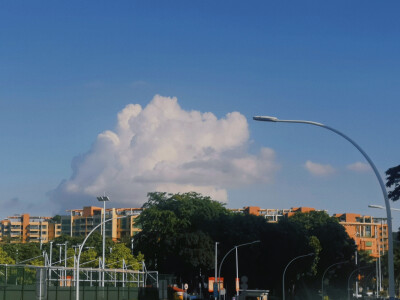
25	228
81	221
369	233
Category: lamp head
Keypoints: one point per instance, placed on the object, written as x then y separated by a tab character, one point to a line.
103	198
266	118
375	206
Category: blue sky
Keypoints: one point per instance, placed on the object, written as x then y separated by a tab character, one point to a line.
68	68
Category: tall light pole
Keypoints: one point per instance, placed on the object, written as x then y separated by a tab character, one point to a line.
378	176
380	242
348	281
323	276
215	284
104	199
220	265
80	252
284	271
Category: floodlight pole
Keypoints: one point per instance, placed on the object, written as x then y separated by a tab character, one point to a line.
103	199
381	183
80	251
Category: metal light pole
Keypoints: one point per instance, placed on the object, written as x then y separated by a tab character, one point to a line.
283	276
216	264
380	180
348	281
326	270
80	251
65	263
220	265
103	199
51	258
60	252
381	242
237	274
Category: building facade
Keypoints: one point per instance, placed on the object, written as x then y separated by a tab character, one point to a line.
369	233
272	215
80	222
25	228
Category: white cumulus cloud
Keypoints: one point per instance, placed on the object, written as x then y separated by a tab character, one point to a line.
318	169
162	147
359	167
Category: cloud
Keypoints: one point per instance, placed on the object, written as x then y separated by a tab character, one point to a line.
359	167
162	147
318	169
10	206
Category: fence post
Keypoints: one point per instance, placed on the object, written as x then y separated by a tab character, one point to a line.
23	283
5	285
70	288
48	284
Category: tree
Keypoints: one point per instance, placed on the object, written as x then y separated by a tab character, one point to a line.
175	236
122	253
393	181
5	258
89	258
56	219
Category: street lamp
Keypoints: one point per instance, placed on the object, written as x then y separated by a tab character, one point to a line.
284	271
80	252
215	284
378	176
348	281
380	243
381	207
237	269
104	199
322	282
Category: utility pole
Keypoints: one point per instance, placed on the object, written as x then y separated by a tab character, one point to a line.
103	199
356	277
216	285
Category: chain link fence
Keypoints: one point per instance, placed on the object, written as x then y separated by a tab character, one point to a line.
51	283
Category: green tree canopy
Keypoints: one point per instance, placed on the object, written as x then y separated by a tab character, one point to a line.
89	258
122	253
175	231
393	181
5	258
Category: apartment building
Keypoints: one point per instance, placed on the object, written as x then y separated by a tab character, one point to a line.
369	233
25	228
80	222
271	214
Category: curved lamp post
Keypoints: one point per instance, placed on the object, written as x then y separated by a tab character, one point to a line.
80	251
283	276
348	281
378	176
322	283
220	265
